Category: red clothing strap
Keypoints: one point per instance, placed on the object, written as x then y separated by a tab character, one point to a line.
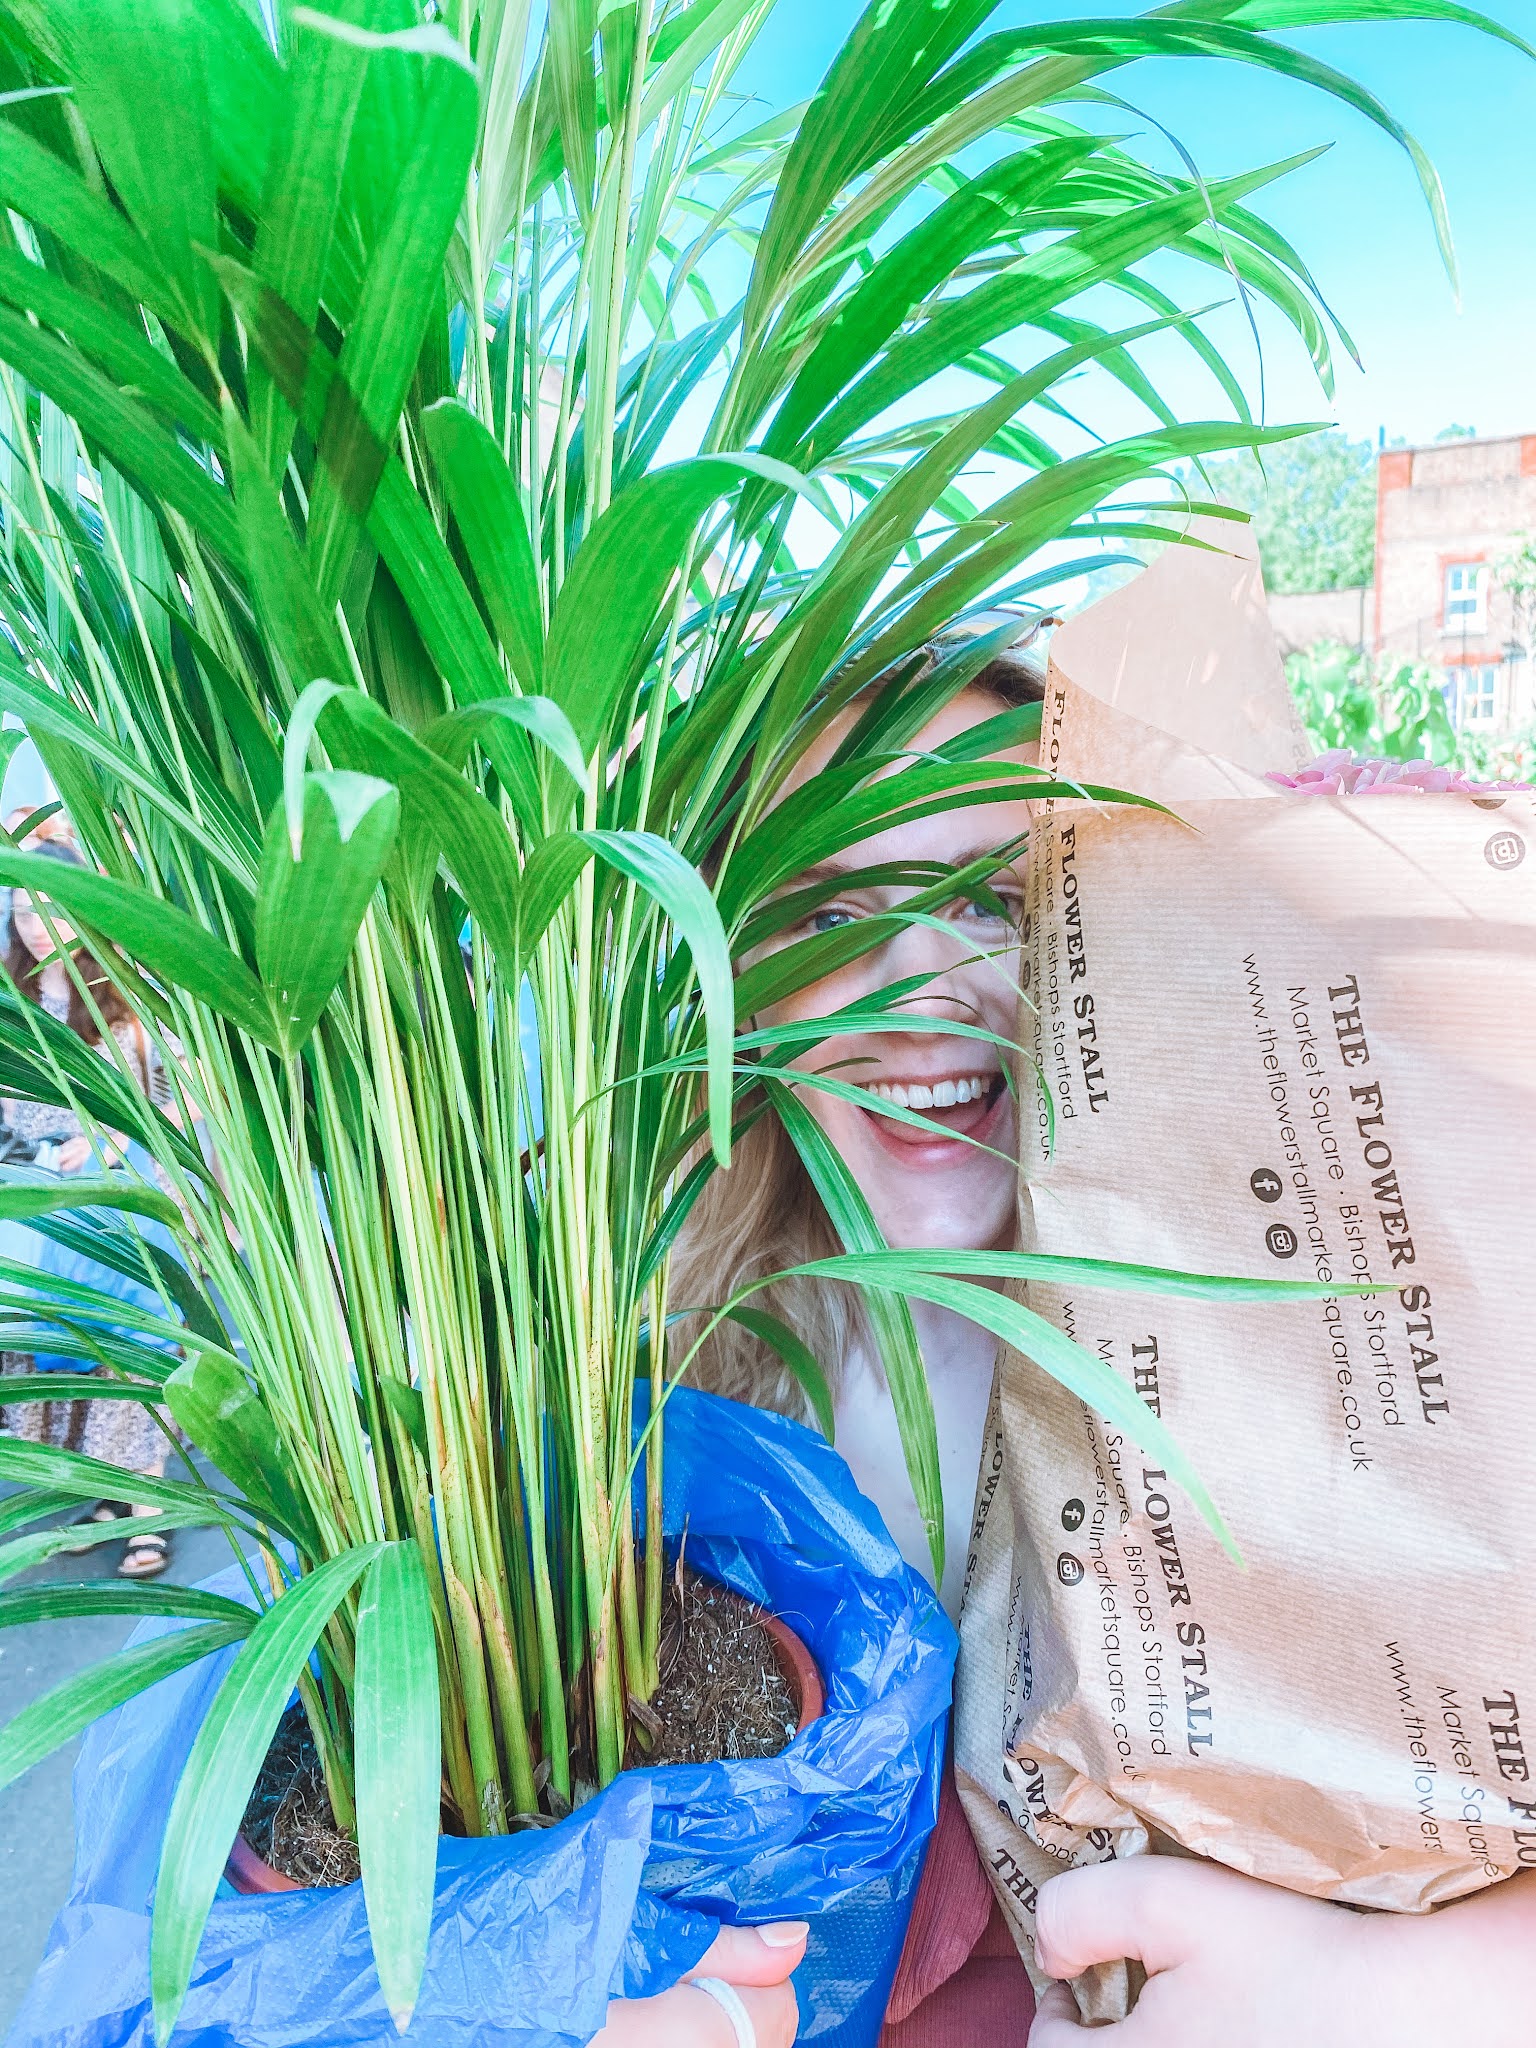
960	1981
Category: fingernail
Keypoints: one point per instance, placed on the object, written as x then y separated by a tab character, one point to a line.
785	1933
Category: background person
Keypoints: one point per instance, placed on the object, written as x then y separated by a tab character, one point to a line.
122	1433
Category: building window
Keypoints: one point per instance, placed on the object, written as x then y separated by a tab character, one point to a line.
1466	597
1472	693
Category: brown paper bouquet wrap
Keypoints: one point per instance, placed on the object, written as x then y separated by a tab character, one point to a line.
1292	1036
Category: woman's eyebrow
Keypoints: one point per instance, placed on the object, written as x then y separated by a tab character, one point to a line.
1004	855
827	871
835	869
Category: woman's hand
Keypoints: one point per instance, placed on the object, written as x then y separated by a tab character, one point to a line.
1232	1963
77	1152
755	1961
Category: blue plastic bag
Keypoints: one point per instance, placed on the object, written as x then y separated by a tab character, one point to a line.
533	1933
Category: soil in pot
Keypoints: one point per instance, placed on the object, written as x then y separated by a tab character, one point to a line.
735	1684
724	1693
288	1821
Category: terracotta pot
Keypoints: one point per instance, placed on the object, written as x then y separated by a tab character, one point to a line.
800	1671
251	1876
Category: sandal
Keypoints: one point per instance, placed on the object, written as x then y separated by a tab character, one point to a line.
103	1512
145	1557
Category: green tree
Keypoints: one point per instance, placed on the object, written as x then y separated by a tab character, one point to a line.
1375	705
1314	509
1515	572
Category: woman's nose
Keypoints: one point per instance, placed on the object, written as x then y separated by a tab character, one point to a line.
951	968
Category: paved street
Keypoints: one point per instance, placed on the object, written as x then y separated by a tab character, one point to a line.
36	1825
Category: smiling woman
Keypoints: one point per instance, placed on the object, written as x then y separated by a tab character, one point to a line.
401	543
922	1117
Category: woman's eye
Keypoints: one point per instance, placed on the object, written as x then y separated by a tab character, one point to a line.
829	919
1000	910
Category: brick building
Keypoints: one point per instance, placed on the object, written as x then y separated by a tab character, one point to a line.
1444	515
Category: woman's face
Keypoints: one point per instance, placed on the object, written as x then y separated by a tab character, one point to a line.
924	1189
32	931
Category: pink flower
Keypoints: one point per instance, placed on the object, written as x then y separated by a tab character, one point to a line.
1338	773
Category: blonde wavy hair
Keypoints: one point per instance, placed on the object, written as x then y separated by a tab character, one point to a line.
761	1214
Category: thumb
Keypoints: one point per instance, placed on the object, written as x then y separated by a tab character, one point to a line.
754	1955
1056	2022
1140	1909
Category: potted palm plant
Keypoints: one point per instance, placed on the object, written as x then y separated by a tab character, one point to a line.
453	464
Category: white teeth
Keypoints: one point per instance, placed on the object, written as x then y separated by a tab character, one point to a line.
939	1095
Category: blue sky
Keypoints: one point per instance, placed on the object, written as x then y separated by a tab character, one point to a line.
1356	215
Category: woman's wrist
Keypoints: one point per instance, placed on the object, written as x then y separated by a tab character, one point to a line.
1461	1974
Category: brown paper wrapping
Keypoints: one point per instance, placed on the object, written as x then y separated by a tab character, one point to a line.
1292	1037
